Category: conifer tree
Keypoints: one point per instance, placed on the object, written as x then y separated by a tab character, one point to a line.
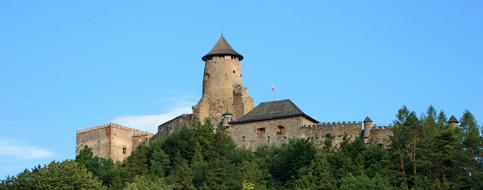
159	161
317	175
181	176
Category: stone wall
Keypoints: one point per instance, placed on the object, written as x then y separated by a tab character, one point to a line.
173	125
96	138
317	133
270	132
223	90
380	136
111	141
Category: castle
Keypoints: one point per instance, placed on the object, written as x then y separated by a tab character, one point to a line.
226	103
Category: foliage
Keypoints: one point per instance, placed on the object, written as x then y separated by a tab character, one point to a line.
144	183
57	175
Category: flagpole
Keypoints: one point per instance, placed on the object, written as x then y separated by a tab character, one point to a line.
273	92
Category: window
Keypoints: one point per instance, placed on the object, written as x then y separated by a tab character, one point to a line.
280	130
124	150
260	132
207	76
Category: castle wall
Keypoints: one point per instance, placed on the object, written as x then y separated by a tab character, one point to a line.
97	139
317	133
121	144
380	136
111	141
276	132
173	125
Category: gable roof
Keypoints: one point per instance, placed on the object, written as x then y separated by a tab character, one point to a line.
222	47
273	110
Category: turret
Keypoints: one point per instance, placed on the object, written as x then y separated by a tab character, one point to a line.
223	89
367	129
227	118
453	122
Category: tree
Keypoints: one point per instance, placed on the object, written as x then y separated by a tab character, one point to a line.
199	168
362	182
317	175
255	173
138	163
159	160
284	162
181	176
104	169
144	183
59	175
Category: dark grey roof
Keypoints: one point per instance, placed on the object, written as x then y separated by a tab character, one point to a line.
453	119
273	110
367	119
222	47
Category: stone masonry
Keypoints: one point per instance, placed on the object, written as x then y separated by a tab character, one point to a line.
223	89
111	141
226	103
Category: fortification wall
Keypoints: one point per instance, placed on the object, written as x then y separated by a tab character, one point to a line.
270	132
317	133
97	139
173	125
380	136
111	141
121	144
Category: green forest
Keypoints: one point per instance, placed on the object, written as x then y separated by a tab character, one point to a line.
425	153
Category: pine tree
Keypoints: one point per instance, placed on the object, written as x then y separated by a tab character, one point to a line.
317	175
138	163
159	161
181	175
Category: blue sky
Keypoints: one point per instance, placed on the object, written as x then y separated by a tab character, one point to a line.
67	65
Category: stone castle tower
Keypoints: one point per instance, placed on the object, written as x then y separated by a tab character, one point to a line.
223	90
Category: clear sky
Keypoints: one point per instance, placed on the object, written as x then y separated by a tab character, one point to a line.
67	65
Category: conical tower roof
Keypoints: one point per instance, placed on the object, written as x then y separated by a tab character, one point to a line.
367	119
453	119
222	47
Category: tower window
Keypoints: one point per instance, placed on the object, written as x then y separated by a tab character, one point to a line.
207	75
124	150
233	71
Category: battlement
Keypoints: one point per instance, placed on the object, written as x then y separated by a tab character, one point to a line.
114	125
381	126
334	124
